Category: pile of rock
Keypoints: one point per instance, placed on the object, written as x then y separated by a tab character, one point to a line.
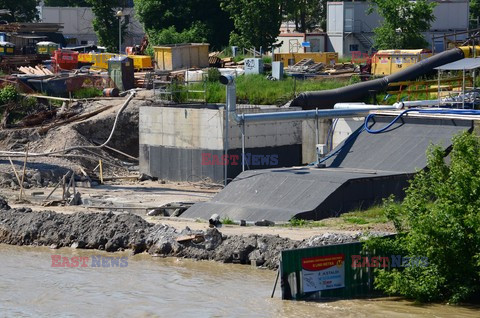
114	232
32	179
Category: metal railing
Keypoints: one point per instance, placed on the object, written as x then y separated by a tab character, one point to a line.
180	91
472	37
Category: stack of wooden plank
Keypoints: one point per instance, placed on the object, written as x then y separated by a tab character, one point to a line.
11	62
142	79
31	27
37	70
214	60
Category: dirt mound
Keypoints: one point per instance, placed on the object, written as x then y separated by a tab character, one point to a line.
113	232
48	170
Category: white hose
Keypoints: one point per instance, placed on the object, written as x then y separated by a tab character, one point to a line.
43	154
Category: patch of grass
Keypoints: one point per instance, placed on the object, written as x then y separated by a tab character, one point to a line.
373	215
294	222
344	60
226	220
267	59
87	92
257	90
355	220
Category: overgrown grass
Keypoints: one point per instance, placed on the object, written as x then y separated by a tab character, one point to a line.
256	89
344	60
87	92
226	220
373	215
294	222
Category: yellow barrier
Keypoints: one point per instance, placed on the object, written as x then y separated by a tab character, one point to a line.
100	60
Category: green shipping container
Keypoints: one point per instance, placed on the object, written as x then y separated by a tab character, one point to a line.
46	47
121	71
7	48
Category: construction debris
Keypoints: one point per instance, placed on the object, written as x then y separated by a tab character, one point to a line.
307	66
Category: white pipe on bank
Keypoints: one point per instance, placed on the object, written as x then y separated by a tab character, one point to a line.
363	106
356	110
416	103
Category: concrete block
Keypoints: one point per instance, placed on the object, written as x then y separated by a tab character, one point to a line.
277	70
253	66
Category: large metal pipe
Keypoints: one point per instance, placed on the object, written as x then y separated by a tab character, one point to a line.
354	93
356	111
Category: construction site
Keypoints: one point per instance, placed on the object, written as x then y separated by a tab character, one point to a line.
129	151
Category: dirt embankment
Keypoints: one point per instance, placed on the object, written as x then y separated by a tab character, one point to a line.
43	171
114	232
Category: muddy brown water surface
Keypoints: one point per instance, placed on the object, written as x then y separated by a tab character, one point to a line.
167	287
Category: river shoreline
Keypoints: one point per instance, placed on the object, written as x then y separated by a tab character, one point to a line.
124	231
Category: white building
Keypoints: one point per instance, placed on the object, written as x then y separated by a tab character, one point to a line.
296	42
350	28
78	28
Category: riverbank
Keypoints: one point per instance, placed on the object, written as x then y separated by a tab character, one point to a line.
166	287
125	231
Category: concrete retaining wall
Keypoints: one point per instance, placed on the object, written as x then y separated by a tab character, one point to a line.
186	143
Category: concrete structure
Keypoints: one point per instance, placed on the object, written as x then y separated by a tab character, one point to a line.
292	42
78	28
186	142
367	169
350	28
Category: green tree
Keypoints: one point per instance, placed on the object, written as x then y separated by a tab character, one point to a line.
204	18
257	22
307	14
170	36
19	11
474	13
106	23
403	23
439	219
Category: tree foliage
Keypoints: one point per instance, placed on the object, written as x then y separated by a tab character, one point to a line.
404	20
474	13
187	17
196	33
19	11
106	23
257	22
306	14
439	219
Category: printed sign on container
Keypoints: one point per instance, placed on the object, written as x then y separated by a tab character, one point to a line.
323	272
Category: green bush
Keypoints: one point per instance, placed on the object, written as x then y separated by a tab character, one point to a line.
226	220
267	59
196	34
439	219
8	94
213	74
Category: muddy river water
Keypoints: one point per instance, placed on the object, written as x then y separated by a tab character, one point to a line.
166	287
